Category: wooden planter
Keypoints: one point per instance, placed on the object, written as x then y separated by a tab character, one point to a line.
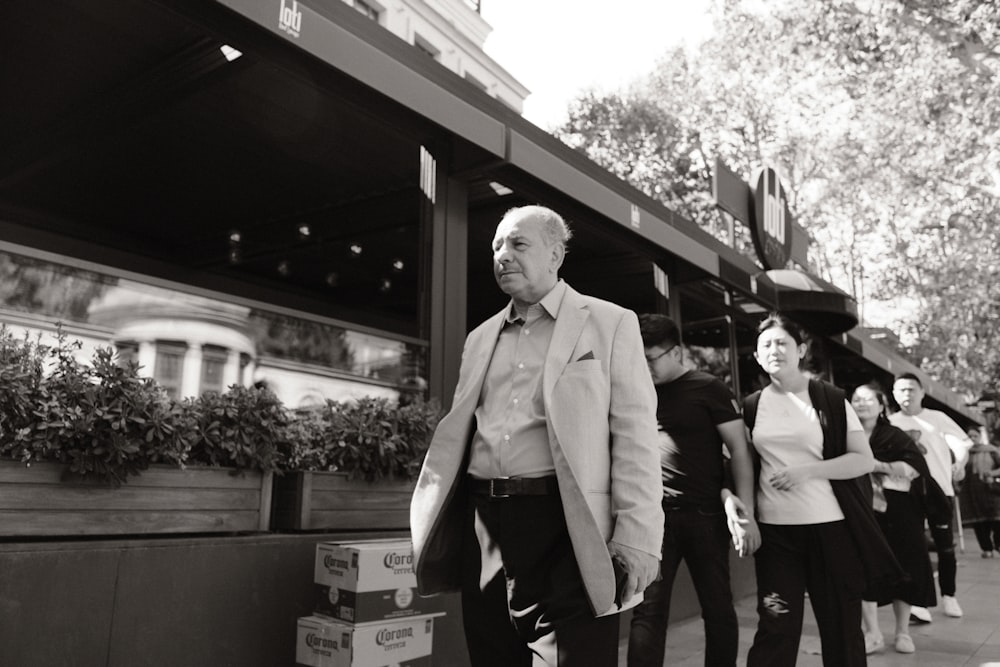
331	501
36	501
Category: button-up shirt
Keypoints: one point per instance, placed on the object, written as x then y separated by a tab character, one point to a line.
511	438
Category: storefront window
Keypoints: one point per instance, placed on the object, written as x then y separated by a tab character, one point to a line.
193	343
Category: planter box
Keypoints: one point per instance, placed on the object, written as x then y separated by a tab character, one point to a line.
36	501
331	501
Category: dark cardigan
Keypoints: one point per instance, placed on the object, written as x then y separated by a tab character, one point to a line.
891	444
853	495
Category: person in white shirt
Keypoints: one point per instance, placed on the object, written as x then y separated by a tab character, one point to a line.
945	447
807	543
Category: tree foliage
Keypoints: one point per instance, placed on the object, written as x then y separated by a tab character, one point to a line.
884	118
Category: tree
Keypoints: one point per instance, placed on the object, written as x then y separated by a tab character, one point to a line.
884	117
56	291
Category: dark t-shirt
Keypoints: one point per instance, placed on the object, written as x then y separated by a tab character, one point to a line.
688	410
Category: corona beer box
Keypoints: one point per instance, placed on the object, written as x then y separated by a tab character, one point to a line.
360	582
325	642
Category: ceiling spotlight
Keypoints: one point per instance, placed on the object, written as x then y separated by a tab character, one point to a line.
356	250
235	256
397	265
235	236
284	267
501	189
384	285
304	232
332	279
230	53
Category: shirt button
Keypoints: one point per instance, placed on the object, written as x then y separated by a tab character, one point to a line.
520	365
527	332
506	437
515	401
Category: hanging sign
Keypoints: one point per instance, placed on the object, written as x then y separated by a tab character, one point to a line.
771	227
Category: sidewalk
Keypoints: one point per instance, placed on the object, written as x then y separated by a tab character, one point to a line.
972	640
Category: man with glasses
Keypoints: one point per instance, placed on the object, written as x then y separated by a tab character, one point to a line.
697	416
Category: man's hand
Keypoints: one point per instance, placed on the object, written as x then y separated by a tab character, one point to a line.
742	526
640	567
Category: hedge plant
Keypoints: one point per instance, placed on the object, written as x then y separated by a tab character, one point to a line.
103	420
370	438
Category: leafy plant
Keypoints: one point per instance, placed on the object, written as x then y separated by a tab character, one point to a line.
240	428
105	421
371	438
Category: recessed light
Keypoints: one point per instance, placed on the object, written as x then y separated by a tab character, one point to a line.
230	53
501	189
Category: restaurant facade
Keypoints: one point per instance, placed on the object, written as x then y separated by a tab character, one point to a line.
318	211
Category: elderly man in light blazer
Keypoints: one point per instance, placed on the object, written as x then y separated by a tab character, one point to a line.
540	497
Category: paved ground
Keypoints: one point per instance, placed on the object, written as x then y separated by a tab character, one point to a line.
971	640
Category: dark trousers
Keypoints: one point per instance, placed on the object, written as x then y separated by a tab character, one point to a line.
987	534
523	600
944	544
702	541
820	559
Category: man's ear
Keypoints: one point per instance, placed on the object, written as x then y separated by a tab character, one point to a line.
558	255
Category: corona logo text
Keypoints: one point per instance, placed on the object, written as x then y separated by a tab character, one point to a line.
387	636
315	641
395	561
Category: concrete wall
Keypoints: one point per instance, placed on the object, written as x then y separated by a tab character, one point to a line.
166	602
206	601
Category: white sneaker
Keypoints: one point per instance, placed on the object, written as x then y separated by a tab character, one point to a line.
921	614
951	607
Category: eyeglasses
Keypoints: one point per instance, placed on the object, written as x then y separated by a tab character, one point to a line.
652	360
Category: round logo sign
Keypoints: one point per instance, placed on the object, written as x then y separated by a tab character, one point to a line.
772	224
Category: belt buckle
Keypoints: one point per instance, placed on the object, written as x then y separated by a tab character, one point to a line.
497	495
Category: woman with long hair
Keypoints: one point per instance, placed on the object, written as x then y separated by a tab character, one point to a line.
904	494
815	523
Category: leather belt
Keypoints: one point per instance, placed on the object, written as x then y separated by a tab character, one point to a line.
505	487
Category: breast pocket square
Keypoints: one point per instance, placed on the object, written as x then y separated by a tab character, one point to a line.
588	355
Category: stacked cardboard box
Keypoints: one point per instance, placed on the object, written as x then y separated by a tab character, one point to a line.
367	611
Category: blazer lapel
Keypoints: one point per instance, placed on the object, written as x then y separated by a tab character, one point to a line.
482	351
569	325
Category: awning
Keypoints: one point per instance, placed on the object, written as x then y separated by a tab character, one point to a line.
817	305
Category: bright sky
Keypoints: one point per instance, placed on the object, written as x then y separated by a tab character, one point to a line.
558	48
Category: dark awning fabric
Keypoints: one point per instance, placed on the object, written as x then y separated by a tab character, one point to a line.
812	302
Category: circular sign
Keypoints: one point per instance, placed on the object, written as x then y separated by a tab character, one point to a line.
772	224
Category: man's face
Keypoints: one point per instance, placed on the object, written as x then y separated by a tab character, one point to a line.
909	394
663	362
524	263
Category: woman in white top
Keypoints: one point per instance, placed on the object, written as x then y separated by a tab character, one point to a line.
807	546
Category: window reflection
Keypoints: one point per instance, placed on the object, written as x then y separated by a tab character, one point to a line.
193	344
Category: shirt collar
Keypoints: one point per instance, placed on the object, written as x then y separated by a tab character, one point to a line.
550	303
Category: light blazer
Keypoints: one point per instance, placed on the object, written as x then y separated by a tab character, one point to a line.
600	406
